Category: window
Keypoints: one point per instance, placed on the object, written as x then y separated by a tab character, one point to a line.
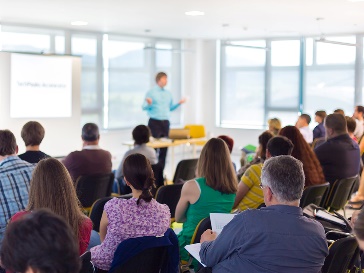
243	84
330	79
130	71
117	71
86	47
256	86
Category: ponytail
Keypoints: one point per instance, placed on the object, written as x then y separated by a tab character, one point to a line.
146	195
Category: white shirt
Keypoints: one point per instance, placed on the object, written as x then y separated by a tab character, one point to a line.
359	129
307	134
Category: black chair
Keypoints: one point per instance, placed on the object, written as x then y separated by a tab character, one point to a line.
86	265
314	194
169	195
96	212
341	255
89	188
339	194
185	170
158	175
150	260
204	225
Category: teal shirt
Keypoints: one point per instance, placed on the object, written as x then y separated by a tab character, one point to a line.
210	201
162	103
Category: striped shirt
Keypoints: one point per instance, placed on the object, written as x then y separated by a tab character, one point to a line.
251	179
15	175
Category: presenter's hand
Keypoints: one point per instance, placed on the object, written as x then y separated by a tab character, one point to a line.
149	100
183	100
208	235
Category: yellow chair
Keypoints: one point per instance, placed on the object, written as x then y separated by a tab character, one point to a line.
196	130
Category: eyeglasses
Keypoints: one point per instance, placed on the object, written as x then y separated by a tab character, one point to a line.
262	186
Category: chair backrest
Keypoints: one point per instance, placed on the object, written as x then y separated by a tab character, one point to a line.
86	265
149	260
169	195
314	194
196	130
96	212
340	256
185	170
158	175
89	188
204	225
339	193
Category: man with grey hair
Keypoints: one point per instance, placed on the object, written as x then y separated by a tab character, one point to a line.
277	238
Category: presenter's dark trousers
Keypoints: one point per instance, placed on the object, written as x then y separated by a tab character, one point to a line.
159	129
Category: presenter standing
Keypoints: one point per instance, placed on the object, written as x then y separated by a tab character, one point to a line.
158	104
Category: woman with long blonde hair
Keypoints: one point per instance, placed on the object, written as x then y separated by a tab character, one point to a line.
213	191
51	187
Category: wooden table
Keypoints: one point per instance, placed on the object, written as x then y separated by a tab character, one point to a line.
169	143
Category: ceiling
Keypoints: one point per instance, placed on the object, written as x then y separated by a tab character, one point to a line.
166	18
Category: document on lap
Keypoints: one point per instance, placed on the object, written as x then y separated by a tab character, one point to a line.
194	250
218	221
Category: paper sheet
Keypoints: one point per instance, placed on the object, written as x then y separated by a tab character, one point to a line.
194	250
219	220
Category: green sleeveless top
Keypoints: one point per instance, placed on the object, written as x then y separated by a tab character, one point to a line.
210	201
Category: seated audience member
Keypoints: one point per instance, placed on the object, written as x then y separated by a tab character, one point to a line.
359	119
15	175
52	188
92	159
130	218
319	131
302	151
260	154
277	238
351	125
141	134
249	194
339	155
230	144
32	133
339	111
274	125
213	191
359	227
41	242
302	125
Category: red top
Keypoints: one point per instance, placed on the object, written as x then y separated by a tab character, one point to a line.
84	232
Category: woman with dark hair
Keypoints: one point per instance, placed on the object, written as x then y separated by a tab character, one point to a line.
303	152
260	154
130	218
213	191
52	188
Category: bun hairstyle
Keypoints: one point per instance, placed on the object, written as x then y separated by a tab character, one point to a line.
138	172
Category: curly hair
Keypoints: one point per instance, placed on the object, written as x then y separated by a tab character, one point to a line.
303	152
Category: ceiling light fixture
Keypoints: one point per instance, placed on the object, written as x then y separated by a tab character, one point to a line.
79	23
169	49
324	40
194	13
228	43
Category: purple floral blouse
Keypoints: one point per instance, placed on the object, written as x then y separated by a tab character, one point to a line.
129	220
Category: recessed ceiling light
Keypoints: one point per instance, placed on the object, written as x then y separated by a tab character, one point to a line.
79	23
194	13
